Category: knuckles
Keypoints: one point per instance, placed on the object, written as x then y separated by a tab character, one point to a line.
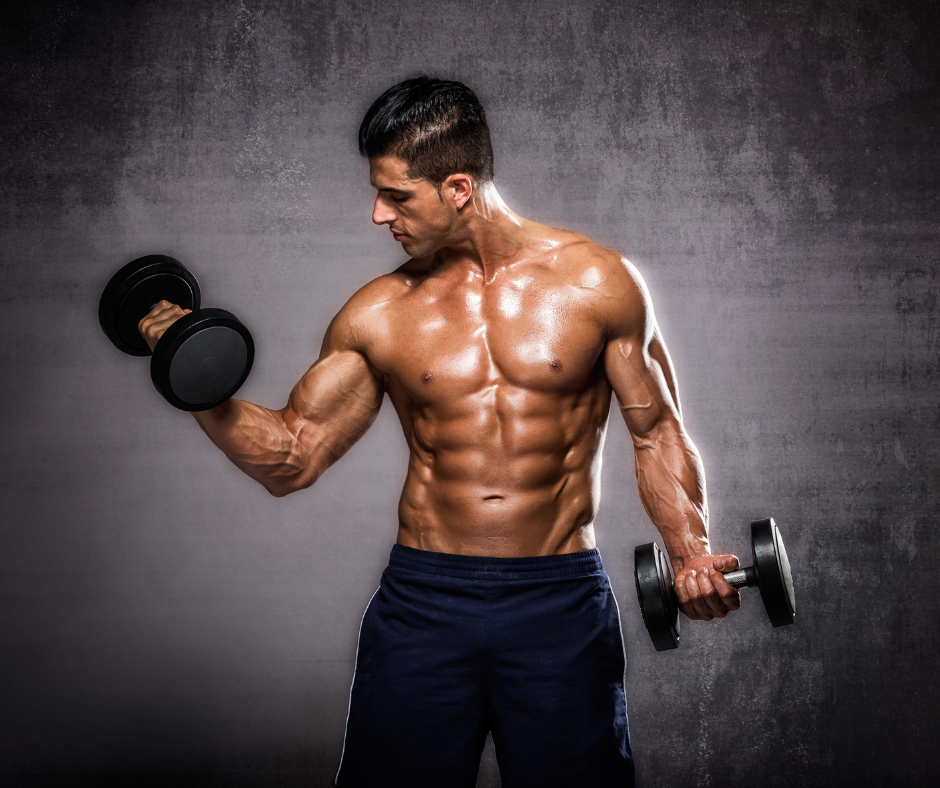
703	597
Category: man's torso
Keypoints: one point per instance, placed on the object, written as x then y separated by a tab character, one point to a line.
501	393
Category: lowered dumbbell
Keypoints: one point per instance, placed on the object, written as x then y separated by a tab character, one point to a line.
202	359
770	573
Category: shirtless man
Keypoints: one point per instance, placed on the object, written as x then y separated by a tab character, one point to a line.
498	343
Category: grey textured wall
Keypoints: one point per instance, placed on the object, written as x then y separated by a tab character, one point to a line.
771	167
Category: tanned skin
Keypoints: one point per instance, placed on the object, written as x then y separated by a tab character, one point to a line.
499	344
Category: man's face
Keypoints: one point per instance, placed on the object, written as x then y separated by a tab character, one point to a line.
419	218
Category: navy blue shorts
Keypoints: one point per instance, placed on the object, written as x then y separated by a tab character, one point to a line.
454	646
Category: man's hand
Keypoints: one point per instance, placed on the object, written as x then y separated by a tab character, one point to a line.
703	592
158	320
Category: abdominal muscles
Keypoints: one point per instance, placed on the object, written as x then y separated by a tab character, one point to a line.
504	471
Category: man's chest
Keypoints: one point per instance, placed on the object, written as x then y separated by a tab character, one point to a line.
461	340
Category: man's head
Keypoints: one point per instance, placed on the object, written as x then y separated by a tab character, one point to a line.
429	149
435	125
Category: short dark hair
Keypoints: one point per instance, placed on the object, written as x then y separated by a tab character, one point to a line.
436	125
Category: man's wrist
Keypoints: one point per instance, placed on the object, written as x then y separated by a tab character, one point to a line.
688	552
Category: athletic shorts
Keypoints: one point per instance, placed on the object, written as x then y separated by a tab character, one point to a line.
453	646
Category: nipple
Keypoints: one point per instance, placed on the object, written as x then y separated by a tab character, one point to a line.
555	365
427	377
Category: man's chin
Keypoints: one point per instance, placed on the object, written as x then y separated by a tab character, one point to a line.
412	248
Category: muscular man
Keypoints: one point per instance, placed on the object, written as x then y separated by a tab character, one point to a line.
499	343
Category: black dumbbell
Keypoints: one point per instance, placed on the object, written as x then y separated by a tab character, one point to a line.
770	573
202	359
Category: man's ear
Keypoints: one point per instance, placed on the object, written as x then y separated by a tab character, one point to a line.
459	187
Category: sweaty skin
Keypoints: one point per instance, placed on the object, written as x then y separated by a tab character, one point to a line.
499	344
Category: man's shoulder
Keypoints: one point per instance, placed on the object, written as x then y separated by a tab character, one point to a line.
586	264
379	292
366	312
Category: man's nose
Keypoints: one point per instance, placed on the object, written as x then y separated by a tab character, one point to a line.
381	213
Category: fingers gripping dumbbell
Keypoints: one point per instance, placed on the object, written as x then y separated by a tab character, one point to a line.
770	573
202	359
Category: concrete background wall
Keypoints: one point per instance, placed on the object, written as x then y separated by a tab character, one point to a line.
771	167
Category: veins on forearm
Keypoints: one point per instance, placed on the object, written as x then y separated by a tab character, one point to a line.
672	490
255	439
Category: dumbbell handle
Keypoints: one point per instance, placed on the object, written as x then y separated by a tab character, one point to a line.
743	578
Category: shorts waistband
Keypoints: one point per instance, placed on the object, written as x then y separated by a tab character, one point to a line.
475	567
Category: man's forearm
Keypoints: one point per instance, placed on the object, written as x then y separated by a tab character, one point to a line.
259	442
671	481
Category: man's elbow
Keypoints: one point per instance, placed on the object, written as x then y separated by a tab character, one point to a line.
279	487
279	490
659	434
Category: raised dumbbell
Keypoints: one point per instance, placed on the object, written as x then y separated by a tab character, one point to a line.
770	573
202	359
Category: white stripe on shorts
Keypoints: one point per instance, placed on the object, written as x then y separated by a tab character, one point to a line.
349	708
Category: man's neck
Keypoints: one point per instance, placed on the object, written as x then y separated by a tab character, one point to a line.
491	236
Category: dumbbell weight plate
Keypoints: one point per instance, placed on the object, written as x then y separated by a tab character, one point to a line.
773	569
202	359
131	293
658	602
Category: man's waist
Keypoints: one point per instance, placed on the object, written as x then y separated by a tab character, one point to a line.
547	567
